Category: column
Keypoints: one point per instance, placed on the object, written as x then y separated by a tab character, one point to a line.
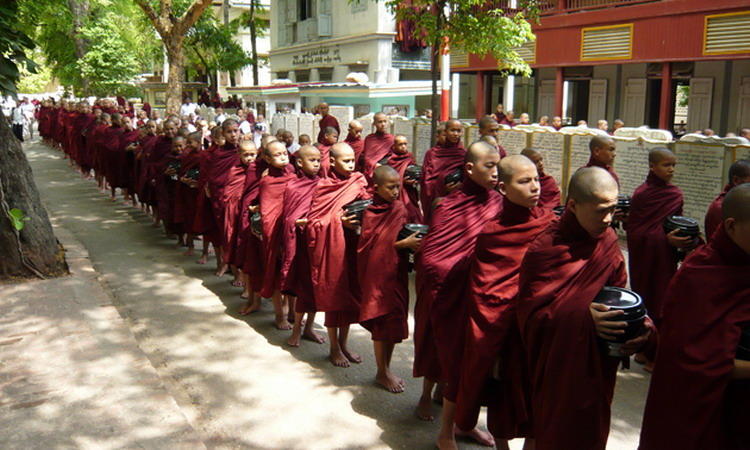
509	94
665	100
559	86
479	111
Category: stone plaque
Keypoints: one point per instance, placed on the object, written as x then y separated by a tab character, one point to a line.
700	174
405	127
579	151
631	163
422	140
305	126
551	146
291	123
344	114
513	141
471	134
316	129
741	152
366	122
277	122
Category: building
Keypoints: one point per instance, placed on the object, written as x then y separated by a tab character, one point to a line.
316	42
627	59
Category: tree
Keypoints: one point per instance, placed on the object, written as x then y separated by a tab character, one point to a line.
27	243
173	30
258	25
475	26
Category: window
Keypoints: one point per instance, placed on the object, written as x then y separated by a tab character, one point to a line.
302	76
306	9
325	74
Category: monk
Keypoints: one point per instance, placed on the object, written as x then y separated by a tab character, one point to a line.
355	141
652	256
400	159
145	146
186	195
739	173
549	195
492	332
330	137
204	222
128	145
439	161
154	162
572	377
488	126
166	185
332	251
382	266
113	158
442	267
378	145
699	392
295	266
602	154
326	121
556	122
271	196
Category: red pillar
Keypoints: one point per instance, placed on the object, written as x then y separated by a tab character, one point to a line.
479	102
559	91
665	101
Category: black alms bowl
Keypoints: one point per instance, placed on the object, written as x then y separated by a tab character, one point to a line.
256	224
357	208
630	303
413	172
411	228
454	177
688	227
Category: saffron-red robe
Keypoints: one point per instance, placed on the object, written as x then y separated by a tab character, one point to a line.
442	266
325	122
572	378
713	214
358	145
439	161
549	192
693	404
271	196
383	272
409	194
492	332
377	147
186	197
652	261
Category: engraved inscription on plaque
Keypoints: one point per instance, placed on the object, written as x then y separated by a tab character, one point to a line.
277	122
550	145
513	141
471	134
699	173
306	126
291	123
344	115
742	152
422	139
631	163
579	151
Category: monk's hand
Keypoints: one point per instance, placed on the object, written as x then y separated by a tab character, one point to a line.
208	192
605	321
253	208
677	241
411	242
350	221
741	370
450	187
636	344
301	222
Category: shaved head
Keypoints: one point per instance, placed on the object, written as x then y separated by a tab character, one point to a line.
659	154
599	142
385	173
512	164
739	170
340	149
274	146
247	144
453	122
736	204
530	153
379	115
308	151
589	184
355	125
477	150
329	131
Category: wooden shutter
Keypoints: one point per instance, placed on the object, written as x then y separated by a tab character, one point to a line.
635	102
699	103
727	33
610	42
597	101
546	98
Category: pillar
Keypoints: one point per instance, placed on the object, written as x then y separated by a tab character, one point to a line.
559	86
509	94
479	111
665	100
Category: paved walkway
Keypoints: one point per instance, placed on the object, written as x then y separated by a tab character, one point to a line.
224	381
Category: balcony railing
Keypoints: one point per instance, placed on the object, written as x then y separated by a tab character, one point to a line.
558	6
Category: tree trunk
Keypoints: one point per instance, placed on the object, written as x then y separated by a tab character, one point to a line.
434	75
175	56
79	9
34	251
254	42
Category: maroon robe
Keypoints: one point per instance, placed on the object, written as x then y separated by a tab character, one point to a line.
128	167
693	404
165	193
358	145
442	266
652	261
142	186
439	161
325	159
113	156
248	253
409	194
572	378
204	221
492	331
332	258
186	197
295	265
377	147
549	192
271	196
609	169
225	169
325	122
713	216
152	165
383	272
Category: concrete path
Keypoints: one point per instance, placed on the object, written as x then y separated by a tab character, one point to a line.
235	382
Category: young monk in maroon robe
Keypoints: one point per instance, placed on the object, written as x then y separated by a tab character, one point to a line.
271	196
652	256
400	159
154	165
699	390
143	153
603	154
549	195
295	266
166	187
492	333
204	222
572	377
442	267
739	173
382	266
439	161
355	141
128	145
327	121
186	195
378	145
330	137
488	126
113	158
98	135
332	251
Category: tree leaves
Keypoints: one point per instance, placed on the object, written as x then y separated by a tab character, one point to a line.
18	218
14	44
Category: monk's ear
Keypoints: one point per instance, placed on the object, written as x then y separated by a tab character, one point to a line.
501	187
571	204
730	225
469	167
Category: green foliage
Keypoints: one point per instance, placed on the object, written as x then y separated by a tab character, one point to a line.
213	47
18	218
108	64
683	95
35	83
14	45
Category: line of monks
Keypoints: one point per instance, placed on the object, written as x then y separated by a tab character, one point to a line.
504	315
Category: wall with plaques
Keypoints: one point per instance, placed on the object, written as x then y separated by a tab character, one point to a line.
404	126
471	134
578	153
344	114
700	174
291	124
741	152
422	140
305	126
552	148
513	141
631	163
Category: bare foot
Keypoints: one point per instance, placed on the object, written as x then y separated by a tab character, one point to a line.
437	395
203	260
446	443
311	335
222	270
338	359
250	307
424	409
649	367
188	252
294	339
351	356
390	382
481	437
238	283
640	358
282	324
